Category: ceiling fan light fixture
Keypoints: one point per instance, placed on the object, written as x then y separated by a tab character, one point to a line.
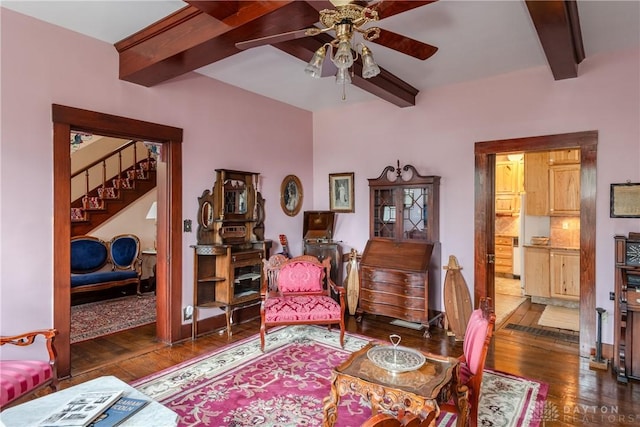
343	76
369	66
314	67
343	58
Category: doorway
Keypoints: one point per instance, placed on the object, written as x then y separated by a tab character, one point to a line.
169	190
485	161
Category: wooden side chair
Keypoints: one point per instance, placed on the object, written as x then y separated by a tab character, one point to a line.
300	291
19	379
477	338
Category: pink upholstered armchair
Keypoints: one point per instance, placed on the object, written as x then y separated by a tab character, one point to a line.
21	378
300	291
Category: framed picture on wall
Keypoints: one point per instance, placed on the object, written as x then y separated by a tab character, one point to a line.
341	192
625	200
291	195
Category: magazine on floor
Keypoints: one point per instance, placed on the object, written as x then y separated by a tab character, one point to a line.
119	411
82	409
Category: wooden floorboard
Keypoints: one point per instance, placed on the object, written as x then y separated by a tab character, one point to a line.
579	395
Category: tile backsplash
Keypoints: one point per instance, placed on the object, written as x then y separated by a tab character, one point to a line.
565	231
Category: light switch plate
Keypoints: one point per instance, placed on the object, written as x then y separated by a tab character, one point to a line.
187	226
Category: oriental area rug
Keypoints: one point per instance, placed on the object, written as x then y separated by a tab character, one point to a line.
239	385
96	319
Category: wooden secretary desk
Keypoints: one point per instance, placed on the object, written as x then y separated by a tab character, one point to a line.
402	256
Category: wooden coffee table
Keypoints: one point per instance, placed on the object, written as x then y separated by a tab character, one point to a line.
417	391
30	413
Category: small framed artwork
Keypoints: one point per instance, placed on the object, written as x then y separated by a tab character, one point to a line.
625	200
291	195
341	192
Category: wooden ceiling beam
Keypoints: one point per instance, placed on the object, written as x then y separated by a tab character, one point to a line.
206	31
197	36
385	85
558	27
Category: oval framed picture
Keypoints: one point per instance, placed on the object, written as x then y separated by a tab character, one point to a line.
291	195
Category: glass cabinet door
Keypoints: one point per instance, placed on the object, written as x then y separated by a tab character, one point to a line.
415	213
384	213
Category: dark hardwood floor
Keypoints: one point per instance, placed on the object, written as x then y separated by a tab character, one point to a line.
578	395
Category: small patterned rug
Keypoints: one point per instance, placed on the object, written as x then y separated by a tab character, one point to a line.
95	319
239	385
555	316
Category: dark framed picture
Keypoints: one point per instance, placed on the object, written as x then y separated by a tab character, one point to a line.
625	200
341	192
291	195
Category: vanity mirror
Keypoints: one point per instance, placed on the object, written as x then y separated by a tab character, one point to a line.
205	219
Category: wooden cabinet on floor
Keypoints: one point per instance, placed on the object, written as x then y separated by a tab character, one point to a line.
565	274
402	256
536	272
504	255
627	308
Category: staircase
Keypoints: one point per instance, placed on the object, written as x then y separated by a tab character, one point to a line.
130	179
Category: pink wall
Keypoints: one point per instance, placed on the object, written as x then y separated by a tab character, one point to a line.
224	127
43	64
438	135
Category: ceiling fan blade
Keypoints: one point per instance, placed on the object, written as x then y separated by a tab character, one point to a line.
404	44
386	9
276	38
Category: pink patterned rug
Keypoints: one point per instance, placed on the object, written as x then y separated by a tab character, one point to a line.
239	385
96	319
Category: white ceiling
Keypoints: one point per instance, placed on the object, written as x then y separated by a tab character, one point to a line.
476	39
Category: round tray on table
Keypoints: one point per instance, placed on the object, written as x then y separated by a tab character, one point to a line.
396	358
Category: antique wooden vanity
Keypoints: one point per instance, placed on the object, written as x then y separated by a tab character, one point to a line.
231	246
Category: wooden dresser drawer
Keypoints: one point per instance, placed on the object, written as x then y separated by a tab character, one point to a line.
398	312
393	277
504	262
392	288
504	241
392	299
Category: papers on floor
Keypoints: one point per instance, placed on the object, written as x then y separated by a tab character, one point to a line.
82	409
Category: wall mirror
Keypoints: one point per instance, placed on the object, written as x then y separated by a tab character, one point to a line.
205	233
235	197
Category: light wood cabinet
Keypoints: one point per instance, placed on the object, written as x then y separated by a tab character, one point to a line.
565	274
504	255
564	190
566	156
536	183
506	177
536	272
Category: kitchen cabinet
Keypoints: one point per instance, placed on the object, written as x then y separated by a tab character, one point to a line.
565	274
566	156
503	250
564	190
536	183
506	177
536	272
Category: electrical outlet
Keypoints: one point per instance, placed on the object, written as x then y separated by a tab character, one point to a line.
187	226
187	312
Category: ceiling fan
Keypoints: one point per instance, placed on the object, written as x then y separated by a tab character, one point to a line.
346	20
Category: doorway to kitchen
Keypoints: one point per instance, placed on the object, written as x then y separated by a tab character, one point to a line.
485	225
